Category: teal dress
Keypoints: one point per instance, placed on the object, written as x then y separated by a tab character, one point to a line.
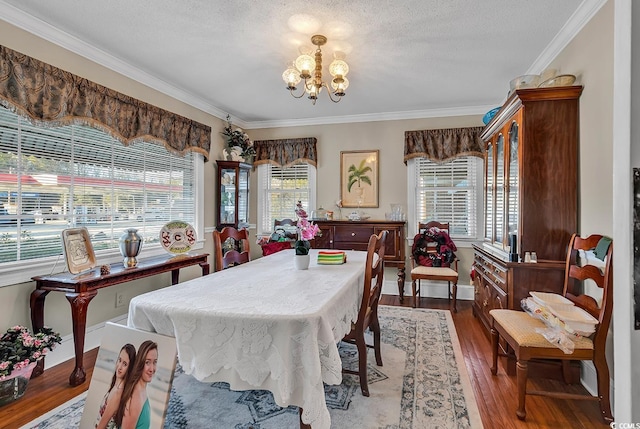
144	419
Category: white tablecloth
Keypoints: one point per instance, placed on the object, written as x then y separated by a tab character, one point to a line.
262	325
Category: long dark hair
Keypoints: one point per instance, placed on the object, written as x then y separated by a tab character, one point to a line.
131	351
136	374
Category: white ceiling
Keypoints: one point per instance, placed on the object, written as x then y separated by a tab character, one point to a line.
408	59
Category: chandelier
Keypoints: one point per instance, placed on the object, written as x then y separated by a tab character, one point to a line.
310	69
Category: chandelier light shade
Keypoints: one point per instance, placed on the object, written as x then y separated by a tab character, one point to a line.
308	70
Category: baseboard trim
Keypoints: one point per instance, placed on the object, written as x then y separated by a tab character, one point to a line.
93	337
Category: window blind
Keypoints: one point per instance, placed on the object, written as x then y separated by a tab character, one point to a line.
447	192
280	188
75	175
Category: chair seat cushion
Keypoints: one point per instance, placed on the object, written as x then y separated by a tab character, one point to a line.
433	271
522	328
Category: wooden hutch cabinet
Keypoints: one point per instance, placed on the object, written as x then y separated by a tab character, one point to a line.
354	235
531	194
233	194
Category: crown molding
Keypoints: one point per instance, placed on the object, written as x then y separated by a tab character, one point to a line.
569	30
373	117
46	31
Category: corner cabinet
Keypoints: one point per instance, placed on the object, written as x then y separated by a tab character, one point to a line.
354	235
531	197
233	194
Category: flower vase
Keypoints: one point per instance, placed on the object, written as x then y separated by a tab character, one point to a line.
301	262
14	385
130	246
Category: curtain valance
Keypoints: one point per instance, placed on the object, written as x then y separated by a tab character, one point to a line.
45	93
443	144
285	152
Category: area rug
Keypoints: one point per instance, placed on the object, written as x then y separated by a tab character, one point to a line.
422	384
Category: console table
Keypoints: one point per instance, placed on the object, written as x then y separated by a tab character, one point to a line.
354	235
81	288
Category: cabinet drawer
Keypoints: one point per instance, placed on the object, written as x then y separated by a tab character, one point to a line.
352	234
350	245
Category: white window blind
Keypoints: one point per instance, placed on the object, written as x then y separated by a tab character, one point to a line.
52	178
280	188
448	192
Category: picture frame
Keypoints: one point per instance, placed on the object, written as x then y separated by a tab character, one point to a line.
114	340
78	250
359	170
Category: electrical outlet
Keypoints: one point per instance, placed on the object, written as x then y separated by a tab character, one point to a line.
119	299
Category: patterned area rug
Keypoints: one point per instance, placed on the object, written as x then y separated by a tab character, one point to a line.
423	384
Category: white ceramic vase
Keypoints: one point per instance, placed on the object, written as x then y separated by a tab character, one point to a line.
301	262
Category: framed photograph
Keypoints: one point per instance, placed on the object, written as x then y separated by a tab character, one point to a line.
359	178
122	351
78	250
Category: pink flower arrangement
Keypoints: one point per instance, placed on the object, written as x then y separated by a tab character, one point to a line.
19	347
306	231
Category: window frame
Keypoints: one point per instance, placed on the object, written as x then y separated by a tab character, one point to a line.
412	209
16	272
261	231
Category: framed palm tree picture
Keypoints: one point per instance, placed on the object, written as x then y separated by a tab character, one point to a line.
359	178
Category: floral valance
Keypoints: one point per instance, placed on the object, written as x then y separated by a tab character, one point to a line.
443	144
285	152
48	94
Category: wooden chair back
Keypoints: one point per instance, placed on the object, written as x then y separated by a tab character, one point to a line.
234	253
576	274
422	227
289	226
373	276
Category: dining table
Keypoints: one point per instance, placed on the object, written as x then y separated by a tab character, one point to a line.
262	325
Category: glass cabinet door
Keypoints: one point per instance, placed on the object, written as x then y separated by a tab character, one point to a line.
499	180
243	199
513	203
233	194
489	203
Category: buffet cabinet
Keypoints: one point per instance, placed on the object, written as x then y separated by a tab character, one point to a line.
531	197
354	235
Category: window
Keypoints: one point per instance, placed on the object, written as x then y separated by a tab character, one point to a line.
448	192
52	178
280	188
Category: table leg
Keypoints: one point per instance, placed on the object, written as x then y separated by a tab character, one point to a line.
79	303
37	321
205	268
303	425
401	277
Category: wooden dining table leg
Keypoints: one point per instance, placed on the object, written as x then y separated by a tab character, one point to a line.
303	425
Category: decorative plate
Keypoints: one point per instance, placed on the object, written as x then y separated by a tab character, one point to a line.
177	237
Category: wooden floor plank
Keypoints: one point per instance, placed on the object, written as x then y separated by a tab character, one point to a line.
495	395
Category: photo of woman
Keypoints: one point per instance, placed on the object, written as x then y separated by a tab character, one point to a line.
111	400
135	368
134	410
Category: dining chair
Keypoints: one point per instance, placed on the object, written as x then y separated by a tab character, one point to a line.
288	228
447	274
231	247
520	330
368	313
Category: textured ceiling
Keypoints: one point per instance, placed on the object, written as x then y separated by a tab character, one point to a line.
407	58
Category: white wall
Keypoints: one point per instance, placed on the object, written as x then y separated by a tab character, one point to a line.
633	147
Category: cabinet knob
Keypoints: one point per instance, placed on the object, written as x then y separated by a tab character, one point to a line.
353	234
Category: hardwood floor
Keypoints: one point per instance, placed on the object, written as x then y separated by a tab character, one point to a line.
495	395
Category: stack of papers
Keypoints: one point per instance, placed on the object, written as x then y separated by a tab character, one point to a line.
328	257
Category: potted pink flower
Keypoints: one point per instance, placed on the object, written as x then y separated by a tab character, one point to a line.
19	351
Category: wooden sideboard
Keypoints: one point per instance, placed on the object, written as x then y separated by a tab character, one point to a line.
354	235
81	288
